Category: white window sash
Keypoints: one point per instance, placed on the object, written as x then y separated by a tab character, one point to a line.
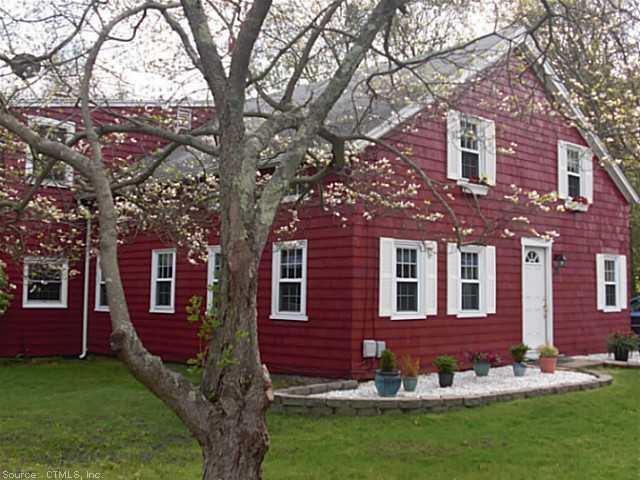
472	281
619	262
277	281
212	251
64	284
155	255
99	281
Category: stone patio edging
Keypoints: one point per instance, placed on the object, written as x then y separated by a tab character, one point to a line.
296	400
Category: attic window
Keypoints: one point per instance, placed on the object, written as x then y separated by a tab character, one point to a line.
61	174
470	148
183	119
471	152
575	175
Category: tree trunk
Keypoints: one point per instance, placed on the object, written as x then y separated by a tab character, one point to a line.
237	445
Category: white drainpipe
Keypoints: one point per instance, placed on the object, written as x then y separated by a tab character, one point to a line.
85	297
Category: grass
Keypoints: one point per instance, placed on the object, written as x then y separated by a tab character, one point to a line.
92	415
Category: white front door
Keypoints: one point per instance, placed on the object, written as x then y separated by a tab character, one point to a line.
534	297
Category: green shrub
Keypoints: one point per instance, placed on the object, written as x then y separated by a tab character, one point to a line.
548	351
388	361
445	364
620	342
518	352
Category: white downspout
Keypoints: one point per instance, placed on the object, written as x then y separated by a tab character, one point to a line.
85	297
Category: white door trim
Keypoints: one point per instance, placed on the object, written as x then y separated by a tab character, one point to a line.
547	245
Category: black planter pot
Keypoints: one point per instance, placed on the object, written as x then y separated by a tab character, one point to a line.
621	355
445	379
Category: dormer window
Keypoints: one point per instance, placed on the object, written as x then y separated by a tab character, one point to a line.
61	174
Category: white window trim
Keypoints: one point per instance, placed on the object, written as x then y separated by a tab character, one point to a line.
621	282
64	285
420	280
212	250
487	152
586	175
427	271
486	275
275	282
99	280
154	272
293	197
481	311
70	127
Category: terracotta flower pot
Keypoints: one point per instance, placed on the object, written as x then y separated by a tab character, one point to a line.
548	364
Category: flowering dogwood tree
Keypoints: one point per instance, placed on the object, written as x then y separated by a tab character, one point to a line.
273	76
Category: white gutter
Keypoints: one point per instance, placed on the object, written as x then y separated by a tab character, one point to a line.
85	296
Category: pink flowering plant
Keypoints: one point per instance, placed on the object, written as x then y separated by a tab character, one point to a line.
483	357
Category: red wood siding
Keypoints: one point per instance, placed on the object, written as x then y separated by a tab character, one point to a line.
578	326
37	331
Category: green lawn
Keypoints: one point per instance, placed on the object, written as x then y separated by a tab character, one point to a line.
92	415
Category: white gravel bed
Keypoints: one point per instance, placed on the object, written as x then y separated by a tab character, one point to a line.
634	357
465	384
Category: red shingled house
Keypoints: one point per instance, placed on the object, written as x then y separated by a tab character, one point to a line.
327	296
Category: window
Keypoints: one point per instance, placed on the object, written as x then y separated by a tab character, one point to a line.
289	281
575	175
408	279
163	266
470	147
611	273
573	172
295	191
102	305
61	174
45	283
213	273
471	280
610	297
471	152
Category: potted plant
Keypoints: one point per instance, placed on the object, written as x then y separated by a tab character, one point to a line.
387	376
482	362
518	352
620	344
548	358
446	366
409	368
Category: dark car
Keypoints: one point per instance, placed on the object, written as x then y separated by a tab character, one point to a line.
635	314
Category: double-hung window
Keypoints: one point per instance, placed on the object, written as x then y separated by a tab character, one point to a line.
575	175
60	174
470	148
289	281
163	281
102	305
213	274
45	283
611	273
471	280
408	279
471	152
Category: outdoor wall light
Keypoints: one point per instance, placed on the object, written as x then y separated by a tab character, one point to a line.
559	261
